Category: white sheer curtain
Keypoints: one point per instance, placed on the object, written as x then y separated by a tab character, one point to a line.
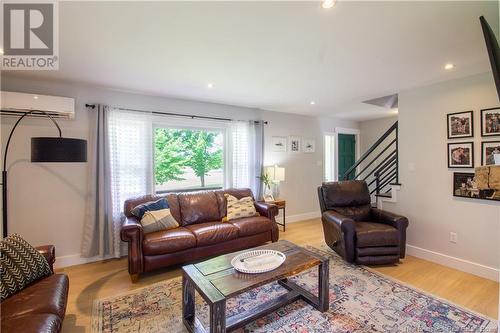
244	155
119	168
131	158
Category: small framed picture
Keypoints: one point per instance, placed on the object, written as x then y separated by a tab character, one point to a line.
268	198
294	144
309	146
279	144
490	122
460	125
488	151
461	155
464	185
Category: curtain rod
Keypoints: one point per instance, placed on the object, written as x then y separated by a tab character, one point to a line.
92	106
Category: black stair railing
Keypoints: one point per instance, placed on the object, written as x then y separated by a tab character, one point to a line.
378	166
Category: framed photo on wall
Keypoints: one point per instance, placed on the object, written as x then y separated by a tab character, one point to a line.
488	150
464	186
309	146
461	155
279	144
294	144
460	125
490	122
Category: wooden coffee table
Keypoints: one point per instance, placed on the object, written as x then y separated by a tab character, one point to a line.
216	280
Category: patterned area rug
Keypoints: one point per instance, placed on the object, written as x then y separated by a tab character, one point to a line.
360	301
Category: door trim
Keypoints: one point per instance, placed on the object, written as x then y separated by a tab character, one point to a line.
342	130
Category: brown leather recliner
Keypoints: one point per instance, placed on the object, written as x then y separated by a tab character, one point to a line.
201	232
41	306
356	231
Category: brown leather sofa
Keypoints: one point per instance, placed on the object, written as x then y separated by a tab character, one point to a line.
356	231
41	306
200	233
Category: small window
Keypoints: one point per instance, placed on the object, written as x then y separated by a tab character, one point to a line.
188	159
329	158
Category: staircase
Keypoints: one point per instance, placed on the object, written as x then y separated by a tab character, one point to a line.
378	166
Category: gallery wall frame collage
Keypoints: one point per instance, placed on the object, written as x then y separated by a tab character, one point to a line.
293	144
460	126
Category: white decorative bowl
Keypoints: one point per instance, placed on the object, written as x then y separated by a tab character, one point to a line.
258	261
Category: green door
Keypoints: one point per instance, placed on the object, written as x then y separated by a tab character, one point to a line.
347	153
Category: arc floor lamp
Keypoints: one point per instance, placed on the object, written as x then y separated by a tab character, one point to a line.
43	149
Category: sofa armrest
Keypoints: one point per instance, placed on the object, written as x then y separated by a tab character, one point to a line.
133	234
339	233
49	252
397	221
270	211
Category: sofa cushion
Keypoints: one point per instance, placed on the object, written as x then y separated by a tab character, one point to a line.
249	226
139	210
238	193
198	207
239	208
213	232
47	295
370	234
21	264
157	220
168	241
40	322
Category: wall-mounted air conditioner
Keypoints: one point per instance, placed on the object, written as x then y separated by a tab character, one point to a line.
17	104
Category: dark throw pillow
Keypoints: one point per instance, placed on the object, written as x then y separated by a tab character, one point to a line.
21	264
139	211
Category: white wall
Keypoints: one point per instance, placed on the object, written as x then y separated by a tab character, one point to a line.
303	171
426	193
47	201
372	130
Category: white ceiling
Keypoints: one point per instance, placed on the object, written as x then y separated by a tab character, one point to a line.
272	55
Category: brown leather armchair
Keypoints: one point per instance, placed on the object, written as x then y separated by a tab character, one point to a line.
41	306
356	231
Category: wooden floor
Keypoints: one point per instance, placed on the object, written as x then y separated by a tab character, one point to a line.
109	278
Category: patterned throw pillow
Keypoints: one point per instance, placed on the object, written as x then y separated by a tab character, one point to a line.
140	210
156	220
21	264
237	209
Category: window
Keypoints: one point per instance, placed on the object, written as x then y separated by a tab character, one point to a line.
187	159
329	157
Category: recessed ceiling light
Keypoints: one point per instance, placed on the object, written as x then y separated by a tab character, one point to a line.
449	66
210	85
312	102
35	97
328	4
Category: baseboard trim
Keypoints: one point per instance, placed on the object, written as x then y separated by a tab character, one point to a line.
484	271
298	217
76	259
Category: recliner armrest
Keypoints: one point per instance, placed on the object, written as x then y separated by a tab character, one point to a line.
340	232
344	223
49	252
397	221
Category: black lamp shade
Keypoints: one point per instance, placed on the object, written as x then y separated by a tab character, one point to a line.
56	149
